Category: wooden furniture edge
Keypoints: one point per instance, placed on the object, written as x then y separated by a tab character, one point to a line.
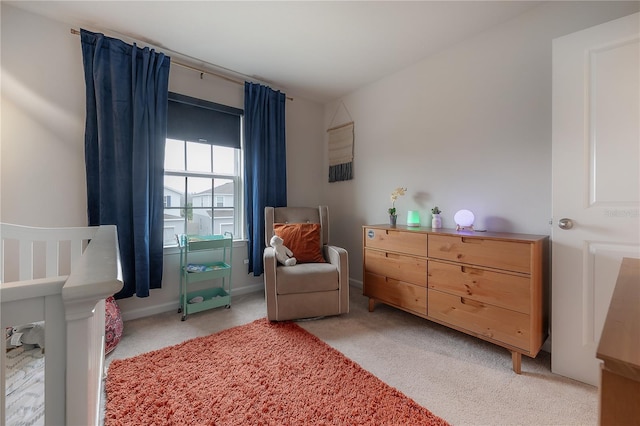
506	236
618	350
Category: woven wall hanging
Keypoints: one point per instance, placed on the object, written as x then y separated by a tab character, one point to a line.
341	150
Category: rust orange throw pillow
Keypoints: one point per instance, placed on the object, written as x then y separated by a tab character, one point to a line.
303	239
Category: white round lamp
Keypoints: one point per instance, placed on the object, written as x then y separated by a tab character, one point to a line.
464	220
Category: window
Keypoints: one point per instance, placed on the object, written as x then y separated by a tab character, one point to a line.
203	162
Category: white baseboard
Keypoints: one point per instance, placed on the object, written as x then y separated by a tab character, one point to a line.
355	283
148	311
173	305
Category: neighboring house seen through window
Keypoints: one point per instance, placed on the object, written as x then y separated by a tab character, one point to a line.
203	161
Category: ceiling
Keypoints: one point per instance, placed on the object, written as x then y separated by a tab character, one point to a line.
318	50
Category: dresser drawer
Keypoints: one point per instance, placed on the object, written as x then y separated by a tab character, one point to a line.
495	288
507	255
399	241
398	293
485	320
397	266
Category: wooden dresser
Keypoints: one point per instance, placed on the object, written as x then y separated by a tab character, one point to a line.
486	284
619	348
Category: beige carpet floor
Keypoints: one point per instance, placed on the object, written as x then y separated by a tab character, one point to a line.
460	378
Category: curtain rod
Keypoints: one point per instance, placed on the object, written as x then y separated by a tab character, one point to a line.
192	68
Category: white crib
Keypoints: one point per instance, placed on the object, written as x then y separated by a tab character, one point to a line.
61	276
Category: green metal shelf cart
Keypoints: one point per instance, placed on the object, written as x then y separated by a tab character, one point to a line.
193	270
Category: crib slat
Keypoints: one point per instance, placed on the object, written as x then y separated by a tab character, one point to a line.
26	236
52	259
76	251
26	260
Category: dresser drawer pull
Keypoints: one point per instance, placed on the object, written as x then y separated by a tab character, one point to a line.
471	240
470	302
468	270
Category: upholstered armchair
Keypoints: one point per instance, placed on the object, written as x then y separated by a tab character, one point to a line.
318	285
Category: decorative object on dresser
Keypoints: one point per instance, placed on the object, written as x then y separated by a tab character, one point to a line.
491	286
413	218
436	220
464	220
393	215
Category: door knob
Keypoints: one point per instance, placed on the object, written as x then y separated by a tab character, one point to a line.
565	223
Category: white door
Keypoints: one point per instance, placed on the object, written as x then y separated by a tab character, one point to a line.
596	184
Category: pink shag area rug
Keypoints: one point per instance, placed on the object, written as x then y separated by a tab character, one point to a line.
261	373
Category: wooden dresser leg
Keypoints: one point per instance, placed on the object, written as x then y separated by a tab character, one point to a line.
372	302
516	357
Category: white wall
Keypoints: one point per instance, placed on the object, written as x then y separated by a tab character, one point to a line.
42	177
42	180
468	128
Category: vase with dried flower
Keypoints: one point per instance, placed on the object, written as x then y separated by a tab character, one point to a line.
393	216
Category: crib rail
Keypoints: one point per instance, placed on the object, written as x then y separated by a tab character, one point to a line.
28	238
72	307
